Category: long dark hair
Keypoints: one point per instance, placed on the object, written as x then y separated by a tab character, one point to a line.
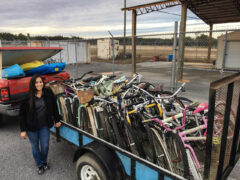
32	88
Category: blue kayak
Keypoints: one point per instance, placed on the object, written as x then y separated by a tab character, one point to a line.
46	69
13	72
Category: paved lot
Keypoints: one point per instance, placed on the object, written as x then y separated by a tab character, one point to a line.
16	160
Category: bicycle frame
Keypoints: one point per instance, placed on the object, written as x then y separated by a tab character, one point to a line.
190	131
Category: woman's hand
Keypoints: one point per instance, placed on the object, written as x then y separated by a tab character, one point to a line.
58	124
23	135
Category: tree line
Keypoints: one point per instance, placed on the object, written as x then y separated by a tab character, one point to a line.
201	40
22	37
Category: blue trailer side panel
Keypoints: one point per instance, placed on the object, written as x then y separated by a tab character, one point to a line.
144	172
68	134
167	178
86	140
126	161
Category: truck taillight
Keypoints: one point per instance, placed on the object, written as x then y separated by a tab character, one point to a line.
4	94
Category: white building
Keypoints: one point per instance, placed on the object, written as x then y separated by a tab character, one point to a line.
229	60
104	48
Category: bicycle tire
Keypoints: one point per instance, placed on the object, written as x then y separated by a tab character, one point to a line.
63	109
92	122
160	151
193	167
117	132
103	125
150	155
79	123
69	110
184	101
97	122
109	129
75	110
84	123
178	155
133	143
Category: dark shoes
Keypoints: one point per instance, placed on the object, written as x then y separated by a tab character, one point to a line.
46	167
43	168
40	170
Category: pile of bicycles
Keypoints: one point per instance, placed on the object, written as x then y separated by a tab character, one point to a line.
137	116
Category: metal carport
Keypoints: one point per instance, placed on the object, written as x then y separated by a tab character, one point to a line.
210	11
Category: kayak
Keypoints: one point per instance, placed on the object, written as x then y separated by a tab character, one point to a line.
13	72
46	69
31	65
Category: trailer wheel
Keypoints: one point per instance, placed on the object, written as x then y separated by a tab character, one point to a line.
88	167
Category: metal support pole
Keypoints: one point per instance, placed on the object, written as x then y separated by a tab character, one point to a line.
76	51
224	52
182	41
124	32
210	43
113	56
134	18
174	85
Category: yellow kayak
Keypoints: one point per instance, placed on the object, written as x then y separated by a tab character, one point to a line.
31	65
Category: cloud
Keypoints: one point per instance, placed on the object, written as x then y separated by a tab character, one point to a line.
81	18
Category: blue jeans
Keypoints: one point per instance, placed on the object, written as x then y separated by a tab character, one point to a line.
39	154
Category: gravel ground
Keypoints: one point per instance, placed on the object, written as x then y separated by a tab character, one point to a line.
16	162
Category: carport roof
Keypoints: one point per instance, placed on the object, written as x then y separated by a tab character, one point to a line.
215	11
210	11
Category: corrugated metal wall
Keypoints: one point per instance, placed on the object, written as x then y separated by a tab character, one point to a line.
73	52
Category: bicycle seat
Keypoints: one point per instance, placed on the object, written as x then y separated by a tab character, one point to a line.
96	78
87	79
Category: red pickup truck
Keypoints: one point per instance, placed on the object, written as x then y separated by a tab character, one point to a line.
13	91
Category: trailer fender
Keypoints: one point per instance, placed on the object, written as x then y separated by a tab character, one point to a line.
107	156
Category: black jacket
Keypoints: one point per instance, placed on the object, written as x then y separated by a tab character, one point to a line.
28	120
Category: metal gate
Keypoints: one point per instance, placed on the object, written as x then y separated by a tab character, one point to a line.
222	146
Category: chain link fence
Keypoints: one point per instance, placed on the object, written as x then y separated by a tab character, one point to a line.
198	47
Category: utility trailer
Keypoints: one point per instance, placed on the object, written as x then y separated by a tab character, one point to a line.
96	157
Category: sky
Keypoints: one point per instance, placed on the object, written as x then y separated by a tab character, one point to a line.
84	18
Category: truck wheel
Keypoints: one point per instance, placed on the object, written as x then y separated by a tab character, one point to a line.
88	167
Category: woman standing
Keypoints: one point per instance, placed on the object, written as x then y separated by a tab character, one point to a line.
39	112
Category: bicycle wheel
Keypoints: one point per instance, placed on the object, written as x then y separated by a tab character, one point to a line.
132	141
63	109
109	128
193	167
162	158
147	143
69	111
84	123
178	155
183	102
117	132
92	122
75	111
102	127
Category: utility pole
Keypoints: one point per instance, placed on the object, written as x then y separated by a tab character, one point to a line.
180	61
210	43
124	32
134	24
